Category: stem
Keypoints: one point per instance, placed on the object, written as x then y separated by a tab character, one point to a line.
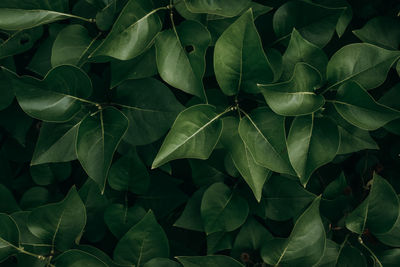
21	249
370	251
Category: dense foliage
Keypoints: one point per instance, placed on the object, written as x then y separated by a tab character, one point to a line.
199	133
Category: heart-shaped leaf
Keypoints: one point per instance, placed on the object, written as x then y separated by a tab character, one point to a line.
254	174
296	96
263	132
97	139
180	56
312	142
224	8
149	117
306	241
239	59
378	212
120	218
194	134
59	224
222	209
58	98
127	39
363	63
191	217
356	106
144	241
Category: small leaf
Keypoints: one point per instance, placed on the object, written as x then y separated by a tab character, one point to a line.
214	260
9	237
284	198
224	8
301	50
132	33
59	224
304	16
365	64
356	106
143	242
70	45
161	262
194	134
254	174
222	209
180	56
381	31
120	218
263	133
191	217
149	117
219	241
336	187
239	59
378	212
76	257
46	174
296	96
7	201
312	142
58	98
306	241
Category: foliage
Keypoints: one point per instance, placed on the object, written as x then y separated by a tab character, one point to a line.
199	133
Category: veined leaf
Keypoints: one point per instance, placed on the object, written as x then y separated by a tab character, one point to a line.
222	209
144	241
212	261
254	174
312	142
263	133
120	218
305	245
224	8
58	98
296	96
19	42
180	57
132	33
194	134
356	106
59	224
55	5
78	257
149	116
9	237
97	139
363	63
239	59
191	217
378	212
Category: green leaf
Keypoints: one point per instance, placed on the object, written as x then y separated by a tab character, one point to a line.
381	31
9	237
301	50
20	19
142	66
390	257
56	5
7	201
351	256
191	217
391	237
120	218
70	45
132	33
304	247
335	188
296	96
97	139
56	142
46	174
251	237
284	198
149	117
356	106
331	254
222	209
144	241
224	8
161	262
312	142
378	212
389	99
59	224
209	261
239	59
194	134
128	173
263	133
314	22
6	92
180	56
76	257
363	63
58	98
254	174
20	41
219	241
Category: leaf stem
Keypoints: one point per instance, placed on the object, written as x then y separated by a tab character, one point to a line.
370	251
